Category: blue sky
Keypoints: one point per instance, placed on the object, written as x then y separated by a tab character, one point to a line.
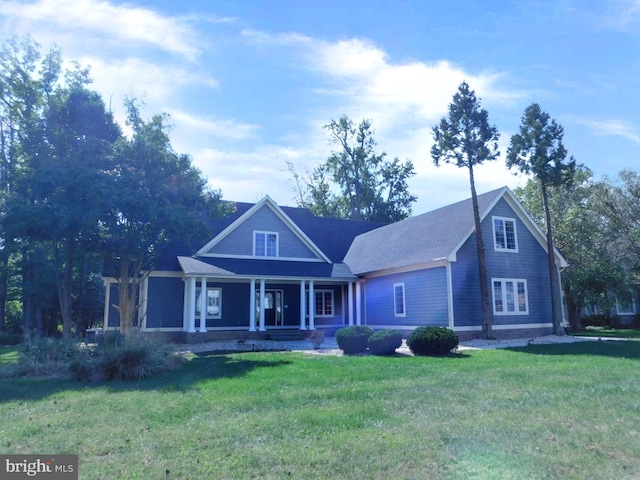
250	84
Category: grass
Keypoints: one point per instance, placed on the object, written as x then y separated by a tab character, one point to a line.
8	353
546	412
608	332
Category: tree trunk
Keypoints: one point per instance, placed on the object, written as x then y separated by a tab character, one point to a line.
65	288
81	321
556	316
128	285
482	264
4	279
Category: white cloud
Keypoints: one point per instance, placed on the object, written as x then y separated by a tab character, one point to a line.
214	127
611	127
622	14
121	22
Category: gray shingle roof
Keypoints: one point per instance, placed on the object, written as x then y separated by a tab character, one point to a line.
417	240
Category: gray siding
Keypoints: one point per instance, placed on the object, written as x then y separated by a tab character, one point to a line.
529	263
240	241
425	298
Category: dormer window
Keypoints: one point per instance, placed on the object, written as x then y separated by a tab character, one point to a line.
265	244
504	234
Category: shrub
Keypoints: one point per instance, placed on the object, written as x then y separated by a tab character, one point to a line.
46	357
385	342
596	320
115	357
353	339
9	338
125	357
432	341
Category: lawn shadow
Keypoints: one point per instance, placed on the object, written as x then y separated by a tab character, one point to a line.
201	367
604	348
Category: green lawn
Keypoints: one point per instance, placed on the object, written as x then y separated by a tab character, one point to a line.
608	332
545	412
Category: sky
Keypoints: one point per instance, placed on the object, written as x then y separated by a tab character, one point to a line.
250	84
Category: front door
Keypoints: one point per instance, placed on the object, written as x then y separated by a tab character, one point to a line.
272	307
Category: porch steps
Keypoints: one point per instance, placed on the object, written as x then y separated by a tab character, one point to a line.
286	335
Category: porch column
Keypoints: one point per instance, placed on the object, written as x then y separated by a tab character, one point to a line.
192	304
203	305
185	306
262	285
303	305
312	306
252	305
350	311
358	303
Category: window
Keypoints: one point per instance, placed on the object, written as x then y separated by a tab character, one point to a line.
265	244
214	302
398	299
510	297
626	305
504	234
324	303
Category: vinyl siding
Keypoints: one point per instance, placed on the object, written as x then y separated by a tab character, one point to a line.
165	302
529	263
240	241
425	293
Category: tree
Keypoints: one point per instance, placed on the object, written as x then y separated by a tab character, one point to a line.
538	149
158	200
581	234
619	204
466	140
26	81
368	186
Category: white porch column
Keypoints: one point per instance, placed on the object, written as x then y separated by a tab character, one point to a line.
350	312
358	303
303	305
203	304
252	305
312	306
192	305
262	285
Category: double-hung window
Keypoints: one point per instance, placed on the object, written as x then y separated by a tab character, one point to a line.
626	305
504	234
510	296
398	300
265	244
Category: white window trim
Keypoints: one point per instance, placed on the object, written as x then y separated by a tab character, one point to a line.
515	234
503	282
266	234
333	305
619	307
216	316
404	301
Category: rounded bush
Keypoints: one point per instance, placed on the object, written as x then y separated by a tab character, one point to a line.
432	341
385	342
353	339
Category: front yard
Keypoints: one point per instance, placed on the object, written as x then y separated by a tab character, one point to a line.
555	412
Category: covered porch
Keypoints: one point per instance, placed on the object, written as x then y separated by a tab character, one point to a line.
233	301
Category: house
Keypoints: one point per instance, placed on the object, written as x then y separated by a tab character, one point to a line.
269	268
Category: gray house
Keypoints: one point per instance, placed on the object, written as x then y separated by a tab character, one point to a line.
269	268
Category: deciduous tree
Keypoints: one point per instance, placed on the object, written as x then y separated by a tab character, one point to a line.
356	182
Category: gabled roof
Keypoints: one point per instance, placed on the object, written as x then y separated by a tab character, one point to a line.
432	237
268	202
328	238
